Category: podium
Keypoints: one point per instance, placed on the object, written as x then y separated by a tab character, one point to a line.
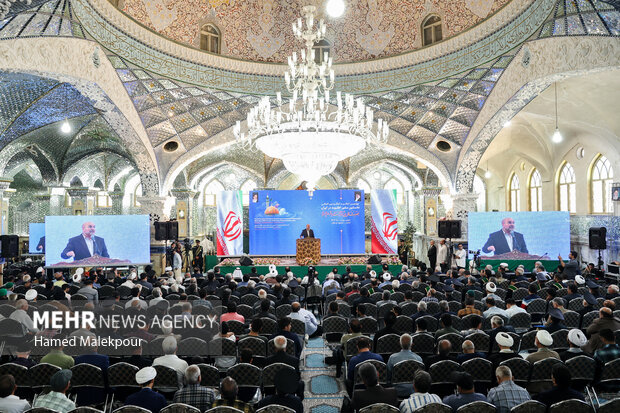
308	248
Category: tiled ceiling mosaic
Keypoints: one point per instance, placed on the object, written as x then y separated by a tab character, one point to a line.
580	17
52	18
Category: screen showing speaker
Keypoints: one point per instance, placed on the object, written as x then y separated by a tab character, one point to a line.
615	193
106	240
279	218
519	235
36	238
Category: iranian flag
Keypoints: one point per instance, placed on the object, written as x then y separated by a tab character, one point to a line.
384	223
229	223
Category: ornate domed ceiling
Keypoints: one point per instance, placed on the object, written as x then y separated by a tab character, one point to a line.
260	30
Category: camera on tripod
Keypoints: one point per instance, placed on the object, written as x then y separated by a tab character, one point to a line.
187	244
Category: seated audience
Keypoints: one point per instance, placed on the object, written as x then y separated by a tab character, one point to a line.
606	320
497	326
561	377
229	391
21	314
469	308
363	354
446	324
170	358
313	329
505	342
374	392
389	320
576	340
286	386
492	309
610	350
507	394
465	392
284	326
512	308
475	326
421	397
232	314
543	341
193	393
469	352
57	398
9	402
22	355
56	356
443	353
402	390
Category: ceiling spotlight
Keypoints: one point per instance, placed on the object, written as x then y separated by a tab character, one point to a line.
65	127
377	175
487	174
507	124
335	8
557	136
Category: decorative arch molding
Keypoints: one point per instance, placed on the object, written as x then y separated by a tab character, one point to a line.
117	32
71	60
402	173
205	176
335	179
49	172
90	175
550	60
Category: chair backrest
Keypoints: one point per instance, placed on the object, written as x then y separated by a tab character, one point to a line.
521	369
611	406
403	371
403	324
520	293
246	311
43	410
298	327
582	368
179	408
572	405
85	409
371	309
575	304
379	408
560	339
477	407
246	375
350	346
480	369
41	374
589	318
283	310
192	346
527	341
269	326
19	372
270	372
221	409
381	370
456	340
369	325
481	340
166	379
257	345
530	406
409	309
87	375
431	323
541	370
12	328
275	408
611	372
221	346
122	374
441	371
131	409
434	408
521	321
388	344
422	343
572	319
335	325
209	375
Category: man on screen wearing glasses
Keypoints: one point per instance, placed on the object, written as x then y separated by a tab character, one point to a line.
505	240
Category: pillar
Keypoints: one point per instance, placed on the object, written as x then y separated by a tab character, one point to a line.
79	199
430	198
42	206
155	208
4	205
117	202
462	204
184	200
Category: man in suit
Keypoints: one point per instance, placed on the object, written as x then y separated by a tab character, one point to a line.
85	245
505	240
280	356
307	233
374	392
432	255
41	244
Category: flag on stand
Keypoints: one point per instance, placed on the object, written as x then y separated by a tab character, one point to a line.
229	223
384	224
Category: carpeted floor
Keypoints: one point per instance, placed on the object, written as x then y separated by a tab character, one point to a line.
324	393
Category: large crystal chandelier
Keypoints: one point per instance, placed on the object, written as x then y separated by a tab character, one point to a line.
312	131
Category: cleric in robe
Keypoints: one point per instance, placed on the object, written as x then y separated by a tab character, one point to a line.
85	245
505	240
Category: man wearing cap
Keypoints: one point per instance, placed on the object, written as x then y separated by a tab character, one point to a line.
465	391
491	287
576	340
56	398
193	393
147	398
569	269
561	378
374	392
505	240
606	320
589	304
507	394
543	341
555	321
9	403
285	383
505	342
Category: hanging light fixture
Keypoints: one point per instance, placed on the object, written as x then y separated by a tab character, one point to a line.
65	127
311	132
487	174
557	136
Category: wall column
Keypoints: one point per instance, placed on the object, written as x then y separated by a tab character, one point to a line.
430	207
117	202
79	199
155	208
462	204
4	205
184	200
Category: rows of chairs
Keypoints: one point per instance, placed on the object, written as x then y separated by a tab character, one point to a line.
532	406
171	408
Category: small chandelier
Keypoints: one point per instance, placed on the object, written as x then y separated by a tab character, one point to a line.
312	131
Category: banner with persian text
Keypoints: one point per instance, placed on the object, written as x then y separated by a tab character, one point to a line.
278	218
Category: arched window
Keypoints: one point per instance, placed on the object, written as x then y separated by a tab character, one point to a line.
247	186
480	190
320	48
535	186
601	176
567	183
137	193
431	30
514	193
210	192
210	38
400	192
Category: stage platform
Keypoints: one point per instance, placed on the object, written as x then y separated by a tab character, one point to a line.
550	265
323	268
